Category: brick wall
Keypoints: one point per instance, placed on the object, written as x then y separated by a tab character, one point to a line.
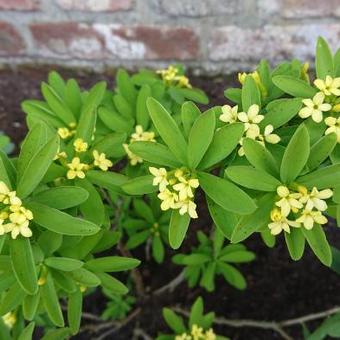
207	35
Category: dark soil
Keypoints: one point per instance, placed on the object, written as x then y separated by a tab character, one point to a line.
278	288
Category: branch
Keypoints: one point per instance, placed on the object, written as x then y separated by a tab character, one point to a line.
171	286
276	326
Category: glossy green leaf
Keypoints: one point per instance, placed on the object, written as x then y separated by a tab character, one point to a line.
323	59
74	310
174	321
114	121
323	178
295	156
111	264
250	93
27	332
85	277
178	228
140	185
142	114
204	125
23	264
168	129
295	241
30	305
189	113
294	86
60	222
12	298
226	194
112	284
63	263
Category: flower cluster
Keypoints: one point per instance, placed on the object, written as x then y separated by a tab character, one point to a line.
197	333
305	208
14	217
77	168
327	100
250	120
176	189
67	132
138	136
255	75
171	76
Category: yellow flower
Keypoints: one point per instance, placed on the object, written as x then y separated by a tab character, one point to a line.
169	74
315	107
134	159
183	81
185	187
101	161
80	145
9	319
76	169
210	335
328	86
189	207
280	222
64	132
141	135
196	332
251	118
270	137
160	177
289	201
316	199
309	217
183	336
334	126
61	154
229	114
169	199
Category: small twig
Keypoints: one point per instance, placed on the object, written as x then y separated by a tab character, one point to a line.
276	326
171	286
138	332
121	324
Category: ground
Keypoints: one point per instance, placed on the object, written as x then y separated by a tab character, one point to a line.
278	288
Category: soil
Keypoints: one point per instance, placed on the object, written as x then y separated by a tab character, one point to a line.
278	288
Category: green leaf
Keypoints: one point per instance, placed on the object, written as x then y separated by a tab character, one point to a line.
223	143
208	277
12	298
323	178
226	194
281	111
204	125
73	97
321	150
74	310
107	179
88	116
143	210
23	264
241	256
57	83
295	156
252	178
4	175
140	185
189	113
294	86
30	306
295	241
316	239
93	208
142	114
57	104
111	264
193	94
250	93
37	167
174	321
62	197
137	239
323	59
51	302
168	129
195	259
8	172
251	223
196	313
112	284
63	263
85	277
178	228
125	86
155	153
60	222
259	156
224	220
157	249
56	334
27	332
111	145
115	121
232	275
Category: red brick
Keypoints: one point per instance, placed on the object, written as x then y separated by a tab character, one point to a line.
11	42
309	8
19	5
95	5
150	42
67	40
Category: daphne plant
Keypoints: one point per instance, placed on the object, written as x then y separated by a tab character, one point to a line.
183	162
211	258
199	325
